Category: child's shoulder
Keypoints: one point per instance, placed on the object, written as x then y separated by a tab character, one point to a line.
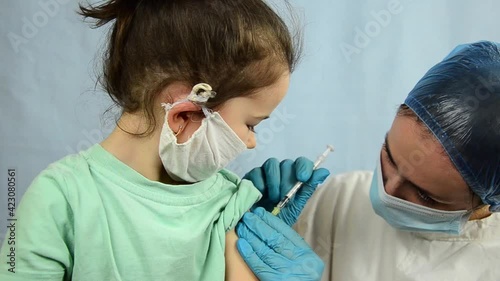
62	172
69	165
53	189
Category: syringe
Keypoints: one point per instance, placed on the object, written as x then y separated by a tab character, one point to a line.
297	186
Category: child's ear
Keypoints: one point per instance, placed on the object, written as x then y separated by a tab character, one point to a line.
181	114
178	116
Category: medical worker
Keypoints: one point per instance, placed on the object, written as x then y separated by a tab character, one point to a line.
429	211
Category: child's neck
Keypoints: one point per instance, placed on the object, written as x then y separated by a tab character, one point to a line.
139	153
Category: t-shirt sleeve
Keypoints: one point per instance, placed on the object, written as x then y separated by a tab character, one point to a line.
38	244
241	201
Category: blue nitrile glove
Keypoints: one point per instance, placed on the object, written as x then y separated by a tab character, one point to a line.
274	179
274	251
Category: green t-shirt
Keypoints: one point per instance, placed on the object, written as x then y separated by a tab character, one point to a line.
90	217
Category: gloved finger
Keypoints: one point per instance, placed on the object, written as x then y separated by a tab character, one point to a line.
272	255
288	178
292	210
256	230
318	176
251	258
272	178
274	224
308	188
272	238
303	169
256	176
311	266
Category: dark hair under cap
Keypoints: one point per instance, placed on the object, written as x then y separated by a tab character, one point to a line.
459	101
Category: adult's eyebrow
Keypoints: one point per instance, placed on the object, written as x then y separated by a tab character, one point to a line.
388	150
432	196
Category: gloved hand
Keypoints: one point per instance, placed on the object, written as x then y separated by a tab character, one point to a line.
274	251
274	179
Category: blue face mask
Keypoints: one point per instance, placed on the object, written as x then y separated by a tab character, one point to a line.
404	215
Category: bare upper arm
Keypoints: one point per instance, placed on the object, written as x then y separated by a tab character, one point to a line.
236	268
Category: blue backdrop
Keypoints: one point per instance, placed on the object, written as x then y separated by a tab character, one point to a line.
361	59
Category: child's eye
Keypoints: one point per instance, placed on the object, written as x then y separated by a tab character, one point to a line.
251	128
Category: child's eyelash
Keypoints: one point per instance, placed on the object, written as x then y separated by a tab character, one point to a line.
251	128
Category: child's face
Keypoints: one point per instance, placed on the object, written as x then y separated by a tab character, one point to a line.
242	114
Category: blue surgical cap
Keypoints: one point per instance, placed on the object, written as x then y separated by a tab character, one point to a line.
459	101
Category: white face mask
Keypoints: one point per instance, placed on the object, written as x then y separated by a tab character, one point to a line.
212	146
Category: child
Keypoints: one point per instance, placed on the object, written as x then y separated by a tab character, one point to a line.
152	201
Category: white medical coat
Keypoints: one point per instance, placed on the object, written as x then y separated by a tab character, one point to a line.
356	244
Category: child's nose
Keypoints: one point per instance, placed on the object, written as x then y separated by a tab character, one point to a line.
251	142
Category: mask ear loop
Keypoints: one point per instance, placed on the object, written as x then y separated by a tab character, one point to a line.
473	196
193	115
200	94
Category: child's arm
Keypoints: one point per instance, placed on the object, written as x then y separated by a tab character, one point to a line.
38	245
236	268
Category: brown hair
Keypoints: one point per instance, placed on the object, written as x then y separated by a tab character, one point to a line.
236	46
405	111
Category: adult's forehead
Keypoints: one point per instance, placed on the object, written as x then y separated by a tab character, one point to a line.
421	161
